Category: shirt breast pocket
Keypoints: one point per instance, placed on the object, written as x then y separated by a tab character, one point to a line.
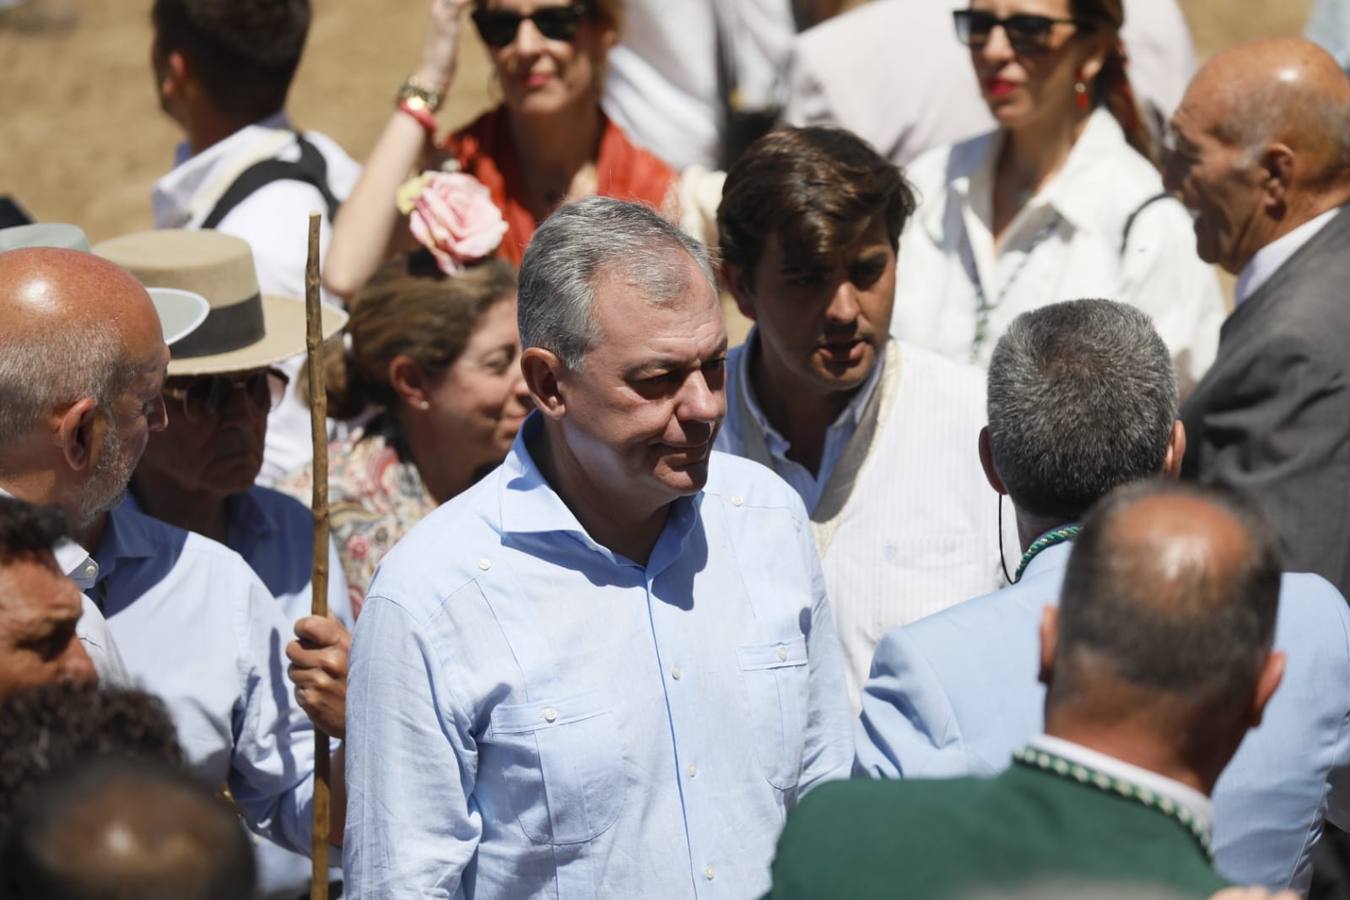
775	677
560	764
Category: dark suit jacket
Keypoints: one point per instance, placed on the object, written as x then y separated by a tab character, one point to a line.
1272	415
944	839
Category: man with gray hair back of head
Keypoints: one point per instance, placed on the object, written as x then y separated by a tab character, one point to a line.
626	672
1082	401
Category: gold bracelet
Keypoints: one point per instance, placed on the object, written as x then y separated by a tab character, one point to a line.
421	93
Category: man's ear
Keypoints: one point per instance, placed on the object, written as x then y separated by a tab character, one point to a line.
1049	632
738	284
409	382
1277	166
1272	671
77	431
1176	451
544	373
173	74
987	461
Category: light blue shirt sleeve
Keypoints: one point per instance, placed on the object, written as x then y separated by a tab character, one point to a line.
907	727
411	763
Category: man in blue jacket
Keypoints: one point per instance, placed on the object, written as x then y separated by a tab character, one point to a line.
1082	398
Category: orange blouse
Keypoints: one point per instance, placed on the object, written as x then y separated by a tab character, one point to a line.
486	151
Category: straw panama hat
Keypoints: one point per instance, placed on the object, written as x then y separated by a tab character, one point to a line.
245	328
180	312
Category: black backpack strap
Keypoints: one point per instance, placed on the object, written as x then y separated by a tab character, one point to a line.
1129	223
311	168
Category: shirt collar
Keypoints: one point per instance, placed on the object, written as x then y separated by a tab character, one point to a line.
846	422
530	505
124	537
1268	260
1072	192
173	194
1183	795
1050	559
72	559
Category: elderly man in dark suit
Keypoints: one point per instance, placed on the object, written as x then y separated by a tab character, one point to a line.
1261	155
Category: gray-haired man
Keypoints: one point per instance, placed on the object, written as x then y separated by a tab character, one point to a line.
1082	399
608	669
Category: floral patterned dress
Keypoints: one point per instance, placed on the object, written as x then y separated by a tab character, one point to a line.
375	495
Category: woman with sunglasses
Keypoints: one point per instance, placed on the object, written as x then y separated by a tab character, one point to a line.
548	142
1062	201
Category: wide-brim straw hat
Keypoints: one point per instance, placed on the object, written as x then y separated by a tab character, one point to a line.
245	328
180	312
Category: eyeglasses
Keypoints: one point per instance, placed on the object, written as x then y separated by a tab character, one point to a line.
557	23
1026	32
206	397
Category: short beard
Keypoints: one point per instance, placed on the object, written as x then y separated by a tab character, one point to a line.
108	482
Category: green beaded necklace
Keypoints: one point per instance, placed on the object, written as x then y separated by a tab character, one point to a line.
1044	542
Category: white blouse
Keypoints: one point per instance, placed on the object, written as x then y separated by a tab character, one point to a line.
1068	242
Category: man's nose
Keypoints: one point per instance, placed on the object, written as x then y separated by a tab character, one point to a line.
702	400
76	667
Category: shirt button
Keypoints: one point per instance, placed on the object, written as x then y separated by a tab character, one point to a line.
735	501
90	570
550	715
484	564
692	770
676	673
781	653
708	873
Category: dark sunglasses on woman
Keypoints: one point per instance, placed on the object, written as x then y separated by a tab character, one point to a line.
206	397
1026	32
498	27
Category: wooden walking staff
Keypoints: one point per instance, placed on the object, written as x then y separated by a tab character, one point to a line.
318	416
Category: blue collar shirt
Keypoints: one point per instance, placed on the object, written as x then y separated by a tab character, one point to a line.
532	715
199	629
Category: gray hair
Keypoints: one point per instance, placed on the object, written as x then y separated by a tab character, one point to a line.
64	366
1275	109
1082	398
578	245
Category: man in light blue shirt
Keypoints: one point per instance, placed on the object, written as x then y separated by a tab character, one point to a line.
1082	398
609	668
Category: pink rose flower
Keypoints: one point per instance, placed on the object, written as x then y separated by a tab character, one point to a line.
454	217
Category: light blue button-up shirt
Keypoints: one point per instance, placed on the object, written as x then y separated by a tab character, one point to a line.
198	628
533	715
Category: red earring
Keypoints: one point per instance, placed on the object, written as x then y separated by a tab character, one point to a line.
1081	95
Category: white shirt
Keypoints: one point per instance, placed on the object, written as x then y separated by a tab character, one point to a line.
872	69
919	530
274	221
662	87
201	630
1183	795
1065	244
1268	260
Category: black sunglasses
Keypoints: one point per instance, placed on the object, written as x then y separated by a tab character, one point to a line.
557	23
1026	32
206	397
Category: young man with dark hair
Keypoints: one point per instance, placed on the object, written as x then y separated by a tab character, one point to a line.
223	69
862	426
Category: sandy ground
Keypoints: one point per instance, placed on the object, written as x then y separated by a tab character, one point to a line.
82	138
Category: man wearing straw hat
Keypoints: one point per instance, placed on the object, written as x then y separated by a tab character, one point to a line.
20	396
198	473
195	624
